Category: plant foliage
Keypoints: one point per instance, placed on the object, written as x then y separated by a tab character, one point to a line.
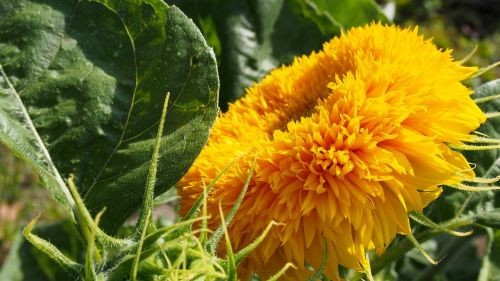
82	91
90	78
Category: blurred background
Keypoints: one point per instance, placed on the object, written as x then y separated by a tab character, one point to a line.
457	24
462	25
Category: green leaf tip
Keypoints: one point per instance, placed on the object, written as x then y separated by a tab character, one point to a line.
216	236
231	261
49	249
483	140
421	249
465	187
474	147
483	180
485	69
243	253
469	55
282	272
420	218
199	201
490	115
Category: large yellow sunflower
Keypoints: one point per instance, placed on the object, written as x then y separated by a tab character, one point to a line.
348	141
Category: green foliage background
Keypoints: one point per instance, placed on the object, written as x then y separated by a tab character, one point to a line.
89	77
252	37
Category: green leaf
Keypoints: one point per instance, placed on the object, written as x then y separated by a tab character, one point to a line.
18	133
217	235
423	220
280	273
231	262
349	13
490	269
93	76
147	203
490	219
245	29
193	212
324	20
459	261
26	263
49	249
488	162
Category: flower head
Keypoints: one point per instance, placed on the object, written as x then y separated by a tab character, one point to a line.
348	141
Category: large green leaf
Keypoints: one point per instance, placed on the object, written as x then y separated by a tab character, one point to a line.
253	37
16	127
93	76
244	29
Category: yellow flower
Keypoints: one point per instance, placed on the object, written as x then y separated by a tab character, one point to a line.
348	141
